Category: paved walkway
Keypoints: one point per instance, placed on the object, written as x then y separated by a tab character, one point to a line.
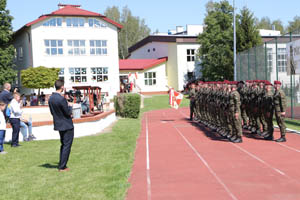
177	159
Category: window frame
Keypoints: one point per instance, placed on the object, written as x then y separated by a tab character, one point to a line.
57	47
78	73
150	78
99	74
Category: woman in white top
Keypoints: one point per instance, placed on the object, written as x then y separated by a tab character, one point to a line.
14	119
2	126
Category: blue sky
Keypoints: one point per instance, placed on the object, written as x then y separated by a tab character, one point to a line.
158	14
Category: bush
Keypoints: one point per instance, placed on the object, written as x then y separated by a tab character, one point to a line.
127	105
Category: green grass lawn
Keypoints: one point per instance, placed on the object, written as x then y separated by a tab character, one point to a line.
100	165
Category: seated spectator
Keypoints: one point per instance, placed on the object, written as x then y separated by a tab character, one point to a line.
42	98
24	99
85	105
24	126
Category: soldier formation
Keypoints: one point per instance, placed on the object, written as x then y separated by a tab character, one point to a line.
228	107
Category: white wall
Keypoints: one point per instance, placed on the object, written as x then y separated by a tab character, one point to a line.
161	79
183	65
111	60
161	50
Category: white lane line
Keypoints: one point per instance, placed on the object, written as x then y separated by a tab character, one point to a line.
260	160
148	161
207	165
290	148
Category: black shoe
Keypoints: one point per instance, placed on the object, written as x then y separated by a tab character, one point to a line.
233	138
249	128
238	140
270	137
265	134
282	139
16	145
245	127
258	132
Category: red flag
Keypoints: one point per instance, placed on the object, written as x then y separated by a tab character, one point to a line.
175	98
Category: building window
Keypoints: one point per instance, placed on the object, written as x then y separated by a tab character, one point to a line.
99	74
76	47
53	22
150	78
54	47
77	75
75	22
98	47
270	59
96	23
190	55
61	74
20	53
281	59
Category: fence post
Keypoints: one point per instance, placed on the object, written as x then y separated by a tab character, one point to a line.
291	85
276	60
249	77
241	74
266	62
255	63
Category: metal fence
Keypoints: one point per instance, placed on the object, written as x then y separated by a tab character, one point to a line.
271	61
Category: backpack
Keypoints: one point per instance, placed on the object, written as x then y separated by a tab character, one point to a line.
7	111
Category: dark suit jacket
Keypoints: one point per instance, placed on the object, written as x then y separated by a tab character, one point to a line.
61	113
6	96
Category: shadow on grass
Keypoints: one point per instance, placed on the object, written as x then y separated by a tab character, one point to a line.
208	132
49	166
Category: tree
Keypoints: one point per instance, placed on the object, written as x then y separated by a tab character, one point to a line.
294	25
7	52
247	33
216	50
264	23
39	77
134	29
278	26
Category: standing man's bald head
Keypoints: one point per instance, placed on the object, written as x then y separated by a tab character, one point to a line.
7	86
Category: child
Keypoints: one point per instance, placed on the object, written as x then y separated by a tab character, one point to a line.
2	127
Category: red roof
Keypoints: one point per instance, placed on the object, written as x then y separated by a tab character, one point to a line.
140	64
73	10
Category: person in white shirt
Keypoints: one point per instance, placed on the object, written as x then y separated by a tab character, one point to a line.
16	113
2	127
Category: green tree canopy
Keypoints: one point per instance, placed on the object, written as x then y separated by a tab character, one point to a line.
39	77
294	25
7	74
264	23
134	29
247	33
216	50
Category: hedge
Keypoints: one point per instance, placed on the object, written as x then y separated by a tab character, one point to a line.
127	105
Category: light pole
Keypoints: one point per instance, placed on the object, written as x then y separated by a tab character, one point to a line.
234	42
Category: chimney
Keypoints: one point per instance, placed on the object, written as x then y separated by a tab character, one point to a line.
60	6
179	29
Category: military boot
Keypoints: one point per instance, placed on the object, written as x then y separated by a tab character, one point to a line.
238	140
281	139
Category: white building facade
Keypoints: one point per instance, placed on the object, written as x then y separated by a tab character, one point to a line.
180	47
83	44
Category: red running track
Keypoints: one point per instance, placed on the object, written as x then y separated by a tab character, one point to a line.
178	159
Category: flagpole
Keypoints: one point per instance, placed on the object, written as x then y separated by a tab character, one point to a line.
234	42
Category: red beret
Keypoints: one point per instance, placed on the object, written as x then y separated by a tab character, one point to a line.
268	83
277	82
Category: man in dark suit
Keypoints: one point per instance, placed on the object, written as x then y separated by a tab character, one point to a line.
61	112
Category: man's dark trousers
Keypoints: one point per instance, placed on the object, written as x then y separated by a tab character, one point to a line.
66	140
15	123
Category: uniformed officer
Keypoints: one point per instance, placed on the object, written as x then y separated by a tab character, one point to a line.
192	95
280	107
268	110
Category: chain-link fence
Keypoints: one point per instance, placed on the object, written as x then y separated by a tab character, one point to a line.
272	61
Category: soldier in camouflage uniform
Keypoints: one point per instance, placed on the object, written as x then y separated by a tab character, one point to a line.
235	113
192	95
268	110
280	107
242	89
